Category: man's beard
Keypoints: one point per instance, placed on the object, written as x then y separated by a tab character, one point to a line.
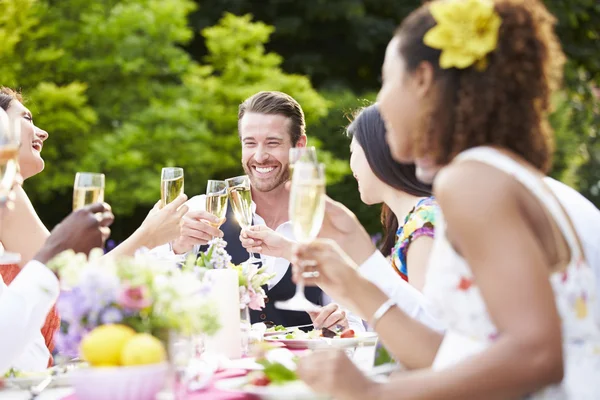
267	185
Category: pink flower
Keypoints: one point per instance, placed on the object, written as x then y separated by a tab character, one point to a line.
134	298
257	301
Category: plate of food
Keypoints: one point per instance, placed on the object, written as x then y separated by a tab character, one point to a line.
24	380
324	338
277	330
276	381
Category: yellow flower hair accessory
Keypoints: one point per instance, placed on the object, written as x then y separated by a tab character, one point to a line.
466	32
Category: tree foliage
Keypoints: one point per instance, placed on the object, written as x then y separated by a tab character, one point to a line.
118	94
127	87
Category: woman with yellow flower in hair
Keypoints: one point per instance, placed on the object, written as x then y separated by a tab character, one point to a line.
466	92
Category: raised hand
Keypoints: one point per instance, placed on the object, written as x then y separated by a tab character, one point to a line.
163	225
198	228
341	225
81	231
263	240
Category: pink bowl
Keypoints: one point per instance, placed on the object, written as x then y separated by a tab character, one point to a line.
119	383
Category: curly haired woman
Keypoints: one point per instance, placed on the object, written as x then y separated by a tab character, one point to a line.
466	92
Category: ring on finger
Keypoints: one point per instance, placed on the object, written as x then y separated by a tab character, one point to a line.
311	274
308	263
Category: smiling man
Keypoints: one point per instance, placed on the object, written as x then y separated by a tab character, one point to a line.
269	125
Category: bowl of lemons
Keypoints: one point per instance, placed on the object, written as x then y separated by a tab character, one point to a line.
123	365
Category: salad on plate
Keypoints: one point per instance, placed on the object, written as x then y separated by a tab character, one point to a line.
276	381
322	338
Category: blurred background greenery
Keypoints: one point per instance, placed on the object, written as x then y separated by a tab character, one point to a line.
127	87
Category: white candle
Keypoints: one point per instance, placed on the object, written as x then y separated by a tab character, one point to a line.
225	292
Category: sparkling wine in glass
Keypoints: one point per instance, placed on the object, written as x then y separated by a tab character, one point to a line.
171	184
10	135
307	210
216	200
87	189
301	154
240	198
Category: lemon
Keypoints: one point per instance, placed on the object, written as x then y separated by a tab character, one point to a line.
143	349
103	345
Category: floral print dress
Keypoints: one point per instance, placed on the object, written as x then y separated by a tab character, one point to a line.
420	221
451	287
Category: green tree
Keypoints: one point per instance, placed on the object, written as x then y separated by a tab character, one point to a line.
121	95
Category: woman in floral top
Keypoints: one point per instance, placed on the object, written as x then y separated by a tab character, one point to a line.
404	197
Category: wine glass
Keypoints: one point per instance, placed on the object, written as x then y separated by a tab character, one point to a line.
216	200
240	198
307	210
10	135
87	189
303	154
171	184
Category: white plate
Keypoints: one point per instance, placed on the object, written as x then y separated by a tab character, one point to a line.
26	382
369	338
285	332
291	391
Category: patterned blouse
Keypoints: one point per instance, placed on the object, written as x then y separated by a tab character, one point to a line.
420	221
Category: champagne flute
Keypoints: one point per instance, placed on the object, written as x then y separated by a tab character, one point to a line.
171	184
303	154
240	198
307	210
87	189
216	200
10	135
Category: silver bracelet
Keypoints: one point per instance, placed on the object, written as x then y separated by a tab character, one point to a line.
384	308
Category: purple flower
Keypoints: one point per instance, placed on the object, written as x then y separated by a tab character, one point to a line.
111	315
100	290
68	338
71	305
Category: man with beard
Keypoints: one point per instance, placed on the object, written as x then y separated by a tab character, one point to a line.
269	124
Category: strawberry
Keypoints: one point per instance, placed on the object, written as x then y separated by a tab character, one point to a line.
348	333
260	381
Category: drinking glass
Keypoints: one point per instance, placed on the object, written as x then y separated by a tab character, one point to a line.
216	200
240	198
171	184
307	210
87	189
303	154
10	135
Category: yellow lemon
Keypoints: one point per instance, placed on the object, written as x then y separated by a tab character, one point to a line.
143	349
103	345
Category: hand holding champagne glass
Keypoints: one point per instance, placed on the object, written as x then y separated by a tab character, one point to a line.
171	184
10	135
216	200
307	210
301	154
240	198
87	189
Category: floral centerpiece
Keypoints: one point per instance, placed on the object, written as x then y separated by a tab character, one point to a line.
251	278
142	293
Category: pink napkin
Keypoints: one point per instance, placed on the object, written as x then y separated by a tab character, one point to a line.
211	392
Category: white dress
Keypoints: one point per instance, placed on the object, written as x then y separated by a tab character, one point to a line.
455	295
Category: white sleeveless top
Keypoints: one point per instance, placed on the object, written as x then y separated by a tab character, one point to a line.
451	288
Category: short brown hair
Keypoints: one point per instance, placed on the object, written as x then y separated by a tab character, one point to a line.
7	95
505	105
276	103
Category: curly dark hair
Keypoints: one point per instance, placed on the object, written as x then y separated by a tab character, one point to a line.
7	95
505	105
